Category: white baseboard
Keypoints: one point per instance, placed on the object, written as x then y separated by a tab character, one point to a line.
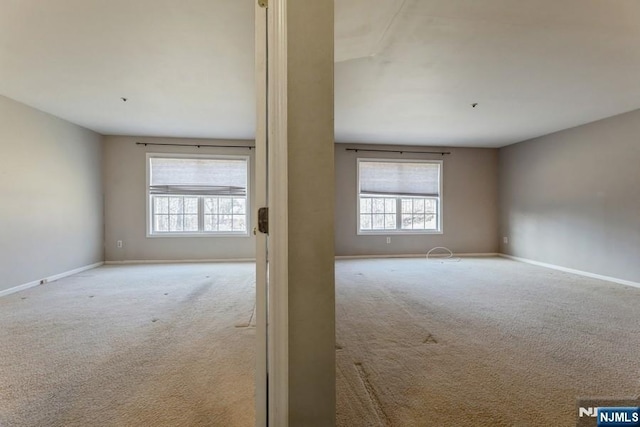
424	255
573	271
177	261
48	279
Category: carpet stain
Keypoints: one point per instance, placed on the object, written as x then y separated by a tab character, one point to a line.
338	346
154	320
430	339
90	296
372	396
198	292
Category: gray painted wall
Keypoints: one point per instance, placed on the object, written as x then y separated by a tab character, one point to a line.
469	203
573	198
51	188
125	205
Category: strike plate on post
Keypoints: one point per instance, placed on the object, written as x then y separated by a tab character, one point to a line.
263	220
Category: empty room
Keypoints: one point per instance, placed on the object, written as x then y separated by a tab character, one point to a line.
272	213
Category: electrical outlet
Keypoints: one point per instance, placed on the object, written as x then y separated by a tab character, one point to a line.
388	240
119	244
505	240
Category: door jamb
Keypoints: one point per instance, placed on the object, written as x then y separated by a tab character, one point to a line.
278	329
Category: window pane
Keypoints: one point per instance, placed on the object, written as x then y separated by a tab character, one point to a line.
365	205
390	222
418	205
191	223
210	223
390	206
239	206
161	223
224	205
378	222
191	205
407	222
430	205
226	222
175	222
175	205
407	205
210	205
365	222
239	223
418	222
431	222
378	205
161	205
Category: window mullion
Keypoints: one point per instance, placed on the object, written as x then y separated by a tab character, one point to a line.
153	213
184	213
200	213
398	213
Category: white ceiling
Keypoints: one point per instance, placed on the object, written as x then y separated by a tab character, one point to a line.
407	71
186	66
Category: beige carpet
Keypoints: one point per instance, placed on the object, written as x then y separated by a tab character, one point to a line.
131	346
481	342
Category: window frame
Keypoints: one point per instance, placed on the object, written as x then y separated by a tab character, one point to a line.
149	206
400	231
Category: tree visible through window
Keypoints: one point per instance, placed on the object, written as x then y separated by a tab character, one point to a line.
399	195
199	195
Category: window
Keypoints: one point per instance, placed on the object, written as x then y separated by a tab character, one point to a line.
197	195
399	196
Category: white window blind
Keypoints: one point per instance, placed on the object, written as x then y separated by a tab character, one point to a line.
399	178
212	177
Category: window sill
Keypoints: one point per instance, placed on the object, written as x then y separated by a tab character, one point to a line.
190	235
398	232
